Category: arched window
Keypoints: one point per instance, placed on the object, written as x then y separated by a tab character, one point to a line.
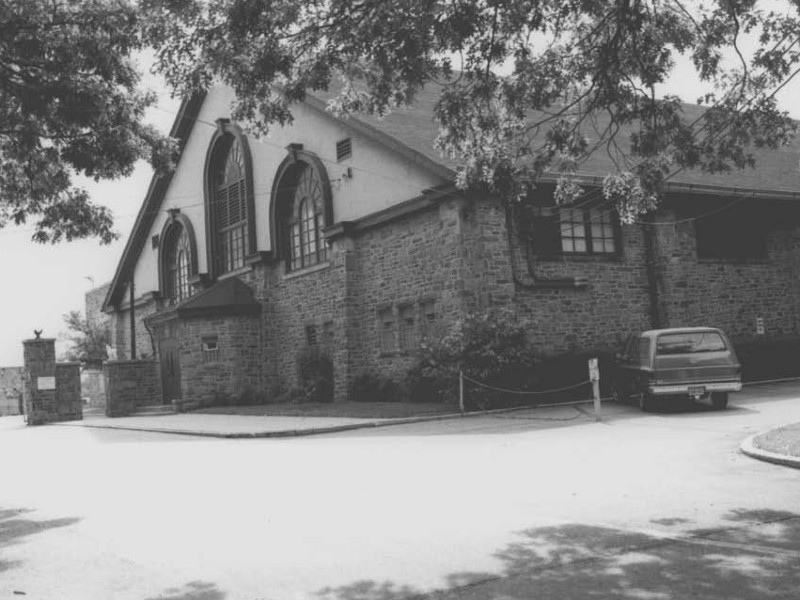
306	219
300	208
229	201
178	267
178	259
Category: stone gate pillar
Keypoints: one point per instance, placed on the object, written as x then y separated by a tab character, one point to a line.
51	392
39	380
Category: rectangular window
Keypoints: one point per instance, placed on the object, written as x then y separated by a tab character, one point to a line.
428	319
311	335
210	346
408	328
575	231
731	232
386	330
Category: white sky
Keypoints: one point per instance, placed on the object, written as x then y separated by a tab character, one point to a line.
42	283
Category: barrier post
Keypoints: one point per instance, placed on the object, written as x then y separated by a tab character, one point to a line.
594	376
461	390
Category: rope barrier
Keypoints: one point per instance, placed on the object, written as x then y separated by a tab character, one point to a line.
497	389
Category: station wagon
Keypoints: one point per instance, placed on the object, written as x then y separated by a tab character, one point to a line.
691	362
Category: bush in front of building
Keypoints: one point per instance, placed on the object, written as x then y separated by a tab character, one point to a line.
369	387
315	374
492	347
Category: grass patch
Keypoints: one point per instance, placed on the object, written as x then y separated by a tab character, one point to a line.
353	410
784	440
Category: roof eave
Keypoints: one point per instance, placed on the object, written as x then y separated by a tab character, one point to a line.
181	130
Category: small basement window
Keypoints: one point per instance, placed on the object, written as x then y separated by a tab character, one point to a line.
344	149
210	346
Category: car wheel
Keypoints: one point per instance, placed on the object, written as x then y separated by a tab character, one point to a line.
719	400
646	402
616	393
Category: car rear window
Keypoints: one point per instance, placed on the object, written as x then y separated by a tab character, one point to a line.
690	343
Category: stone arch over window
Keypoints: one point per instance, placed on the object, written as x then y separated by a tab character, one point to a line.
301	207
177	263
230	210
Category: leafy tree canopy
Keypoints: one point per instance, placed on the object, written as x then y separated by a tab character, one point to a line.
70	102
526	86
90	339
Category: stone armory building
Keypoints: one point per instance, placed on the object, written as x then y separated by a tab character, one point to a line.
348	234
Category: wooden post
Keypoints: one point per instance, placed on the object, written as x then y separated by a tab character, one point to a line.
461	391
594	377
133	322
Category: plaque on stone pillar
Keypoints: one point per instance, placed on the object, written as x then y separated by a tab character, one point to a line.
45	383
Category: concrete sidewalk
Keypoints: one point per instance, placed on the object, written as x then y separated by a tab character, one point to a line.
247	426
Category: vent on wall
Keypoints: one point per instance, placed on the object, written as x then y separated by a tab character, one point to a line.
344	149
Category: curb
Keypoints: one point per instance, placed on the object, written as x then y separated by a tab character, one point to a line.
312	430
749	448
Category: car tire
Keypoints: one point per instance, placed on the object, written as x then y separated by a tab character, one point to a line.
646	402
719	400
616	394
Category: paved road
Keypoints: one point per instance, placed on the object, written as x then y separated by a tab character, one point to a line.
655	506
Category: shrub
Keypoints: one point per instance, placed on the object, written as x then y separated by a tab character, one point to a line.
425	383
315	372
492	347
369	387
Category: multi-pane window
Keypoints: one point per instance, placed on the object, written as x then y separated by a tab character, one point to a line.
306	243
177	265
408	337
230	210
386	329
587	231
575	231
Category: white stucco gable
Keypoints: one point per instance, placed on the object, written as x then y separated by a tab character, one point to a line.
373	178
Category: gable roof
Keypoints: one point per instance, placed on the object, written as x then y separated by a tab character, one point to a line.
181	129
411	132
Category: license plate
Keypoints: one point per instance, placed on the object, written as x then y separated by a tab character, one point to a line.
697	390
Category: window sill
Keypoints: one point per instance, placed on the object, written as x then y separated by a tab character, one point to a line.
733	261
307	270
578	257
234	273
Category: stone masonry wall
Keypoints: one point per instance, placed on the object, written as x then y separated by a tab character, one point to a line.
405	263
129	384
224	375
11	390
51	392
730	294
598	317
291	303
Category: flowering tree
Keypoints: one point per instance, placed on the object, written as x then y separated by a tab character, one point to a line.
524	86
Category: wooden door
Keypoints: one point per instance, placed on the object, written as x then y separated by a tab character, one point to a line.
170	370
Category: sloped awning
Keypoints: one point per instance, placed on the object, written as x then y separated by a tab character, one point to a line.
226	298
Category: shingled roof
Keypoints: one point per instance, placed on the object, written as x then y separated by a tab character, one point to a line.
776	172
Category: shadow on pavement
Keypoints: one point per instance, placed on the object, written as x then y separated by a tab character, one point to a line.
755	555
194	590
13	527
